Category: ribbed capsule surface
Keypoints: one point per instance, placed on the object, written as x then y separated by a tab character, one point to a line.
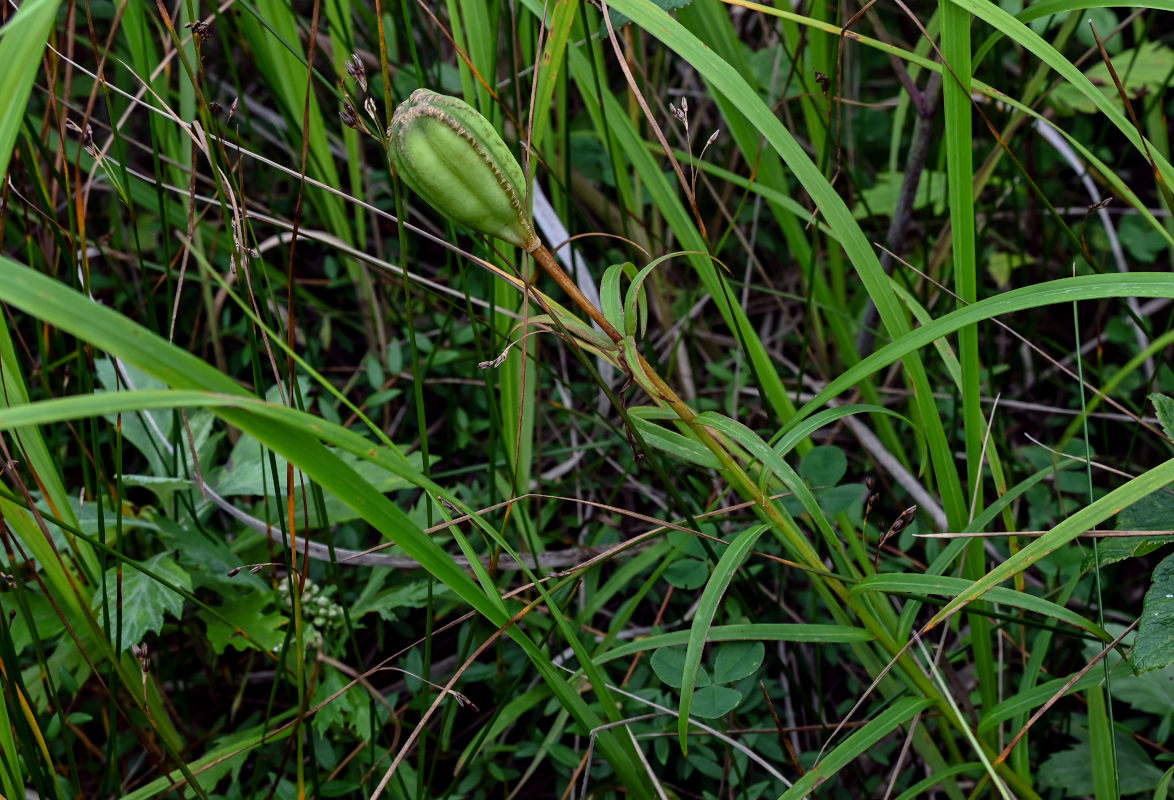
451	156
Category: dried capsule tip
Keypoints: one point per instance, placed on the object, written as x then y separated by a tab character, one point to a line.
356	69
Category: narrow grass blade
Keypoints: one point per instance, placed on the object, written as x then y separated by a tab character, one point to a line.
756	632
711	599
1101	749
21	41
1088	517
1064	290
296	436
919	584
857	744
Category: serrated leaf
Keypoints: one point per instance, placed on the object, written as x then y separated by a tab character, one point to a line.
1071	769
669	665
251	626
391	603
350	711
1154	512
1154	646
1141	69
737	660
715	701
249	474
207	558
144	599
1164	407
1149	692
1110	551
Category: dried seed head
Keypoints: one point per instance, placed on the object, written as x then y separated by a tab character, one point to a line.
143	655
355	68
200	30
902	521
349	116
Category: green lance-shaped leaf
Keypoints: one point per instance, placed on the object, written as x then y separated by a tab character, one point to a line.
453	157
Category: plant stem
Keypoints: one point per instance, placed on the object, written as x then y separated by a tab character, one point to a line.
833	591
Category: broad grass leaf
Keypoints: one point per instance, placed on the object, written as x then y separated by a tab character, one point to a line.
1102	754
918	584
1154	647
707	607
22	39
675	444
610	296
144	599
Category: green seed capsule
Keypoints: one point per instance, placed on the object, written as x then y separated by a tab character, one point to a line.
451	156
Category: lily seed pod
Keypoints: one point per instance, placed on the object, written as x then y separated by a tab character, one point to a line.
451	156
